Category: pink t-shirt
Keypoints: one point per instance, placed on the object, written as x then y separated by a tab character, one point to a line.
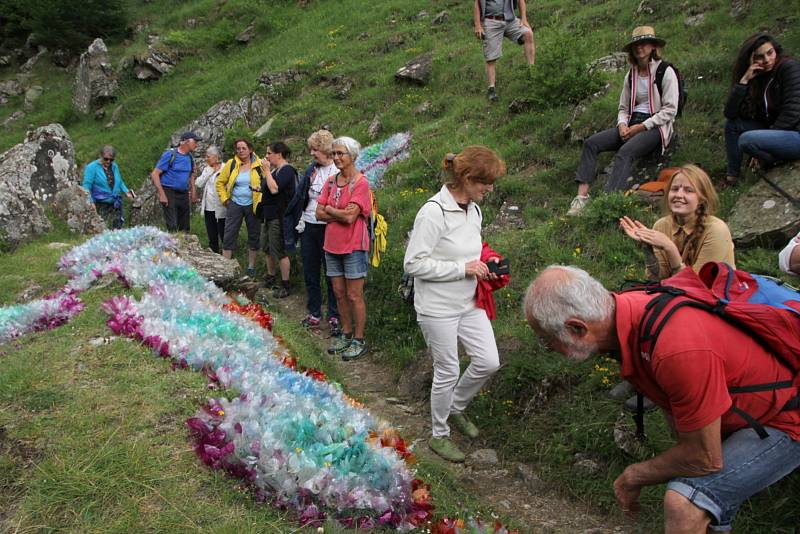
343	238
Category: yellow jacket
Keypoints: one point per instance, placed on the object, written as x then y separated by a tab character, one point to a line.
227	177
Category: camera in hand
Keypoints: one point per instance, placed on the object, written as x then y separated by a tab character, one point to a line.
499	268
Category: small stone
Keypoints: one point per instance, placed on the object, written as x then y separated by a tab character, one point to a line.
392	400
343	89
528	475
422	15
610	63
484	457
520	105
375	127
440	18
424	107
417	71
100	114
31	96
694	20
191	23
587	465
14	117
739	8
247	34
363	36
57	245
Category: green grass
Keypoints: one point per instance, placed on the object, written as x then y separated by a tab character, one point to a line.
341	38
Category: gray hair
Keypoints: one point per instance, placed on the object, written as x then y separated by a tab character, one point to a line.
214	151
553	298
353	147
108	149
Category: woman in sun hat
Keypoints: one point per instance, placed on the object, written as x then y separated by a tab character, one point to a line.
644	120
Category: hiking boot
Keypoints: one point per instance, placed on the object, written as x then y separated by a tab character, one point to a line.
357	348
310	321
281	292
250	271
577	205
336	328
340	344
270	281
463	425
446	449
630	405
491	94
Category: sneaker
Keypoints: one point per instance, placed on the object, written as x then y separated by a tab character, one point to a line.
250	271
357	348
463	425
270	281
310	321
281	292
577	205
446	449
336	328
491	94
340	343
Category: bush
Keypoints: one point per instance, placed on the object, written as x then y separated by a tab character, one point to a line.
69	24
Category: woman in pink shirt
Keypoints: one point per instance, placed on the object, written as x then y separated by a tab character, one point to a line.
344	204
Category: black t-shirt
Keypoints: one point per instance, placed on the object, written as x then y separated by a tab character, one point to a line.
275	205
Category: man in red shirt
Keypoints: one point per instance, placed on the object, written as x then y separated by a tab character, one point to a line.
718	461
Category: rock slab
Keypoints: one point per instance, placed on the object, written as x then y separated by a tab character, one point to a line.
417	71
95	82
212	266
762	215
74	206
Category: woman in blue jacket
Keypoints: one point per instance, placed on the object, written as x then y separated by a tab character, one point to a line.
103	181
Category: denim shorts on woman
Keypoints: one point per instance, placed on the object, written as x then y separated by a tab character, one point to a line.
750	465
352	266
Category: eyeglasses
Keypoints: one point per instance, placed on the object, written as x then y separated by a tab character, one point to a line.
337	154
108	159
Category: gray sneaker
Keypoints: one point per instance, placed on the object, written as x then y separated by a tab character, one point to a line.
340	343
491	94
577	205
357	348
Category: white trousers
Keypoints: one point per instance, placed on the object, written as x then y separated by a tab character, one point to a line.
449	393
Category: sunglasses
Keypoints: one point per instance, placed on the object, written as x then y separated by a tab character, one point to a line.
338	154
108	159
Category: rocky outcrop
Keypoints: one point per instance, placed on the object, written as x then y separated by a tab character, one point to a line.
739	8
95	82
762	215
31	96
145	208
155	63
74	206
274	83
11	88
28	65
610	63
417	71
226	273
31	173
575	132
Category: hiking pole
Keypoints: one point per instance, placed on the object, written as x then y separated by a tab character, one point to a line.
639	417
793	201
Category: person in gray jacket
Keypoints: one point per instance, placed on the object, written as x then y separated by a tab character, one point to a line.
495	19
443	256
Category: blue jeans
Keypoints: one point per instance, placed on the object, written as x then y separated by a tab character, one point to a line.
311	241
750	464
351	266
743	136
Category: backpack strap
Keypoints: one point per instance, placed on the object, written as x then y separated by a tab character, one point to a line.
660	71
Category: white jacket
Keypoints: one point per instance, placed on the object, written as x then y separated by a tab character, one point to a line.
210	200
442	241
663	108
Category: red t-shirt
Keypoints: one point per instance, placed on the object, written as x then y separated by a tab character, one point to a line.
696	358
343	238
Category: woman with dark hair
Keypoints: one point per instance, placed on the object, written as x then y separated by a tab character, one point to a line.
645	118
239	189
443	256
763	107
280	181
689	234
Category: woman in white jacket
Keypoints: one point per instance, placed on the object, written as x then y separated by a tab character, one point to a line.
443	256
211	206
645	117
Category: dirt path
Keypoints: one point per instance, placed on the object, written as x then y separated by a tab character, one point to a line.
512	489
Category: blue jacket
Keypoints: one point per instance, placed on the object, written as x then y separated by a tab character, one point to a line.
96	183
295	209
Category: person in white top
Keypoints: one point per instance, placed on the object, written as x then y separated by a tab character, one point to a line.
443	256
789	257
210	205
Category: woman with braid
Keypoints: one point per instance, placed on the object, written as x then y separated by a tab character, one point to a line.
689	235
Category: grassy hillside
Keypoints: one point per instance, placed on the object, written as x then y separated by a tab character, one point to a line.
538	409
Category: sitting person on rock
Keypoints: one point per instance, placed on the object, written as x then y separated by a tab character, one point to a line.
789	257
644	122
763	108
103	181
689	234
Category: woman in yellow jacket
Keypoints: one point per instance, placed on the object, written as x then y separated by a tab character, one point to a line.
239	186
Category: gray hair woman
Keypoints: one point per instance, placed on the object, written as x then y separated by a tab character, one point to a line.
211	206
103	181
345	204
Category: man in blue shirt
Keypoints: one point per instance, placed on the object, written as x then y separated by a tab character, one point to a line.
173	177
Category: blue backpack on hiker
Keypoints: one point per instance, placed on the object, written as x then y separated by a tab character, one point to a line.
764	307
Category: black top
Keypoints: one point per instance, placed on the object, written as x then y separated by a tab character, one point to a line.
275	205
773	100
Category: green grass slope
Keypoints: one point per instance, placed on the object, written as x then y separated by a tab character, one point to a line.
538	409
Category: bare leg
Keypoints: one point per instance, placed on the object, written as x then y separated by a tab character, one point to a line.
251	259
285	264
583	189
530	48
491	73
683	517
227	254
358	308
270	265
345	315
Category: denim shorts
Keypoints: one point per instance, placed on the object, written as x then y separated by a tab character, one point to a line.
750	465
352	266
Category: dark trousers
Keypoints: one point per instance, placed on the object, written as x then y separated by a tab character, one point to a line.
311	241
112	216
628	152
215	228
177	210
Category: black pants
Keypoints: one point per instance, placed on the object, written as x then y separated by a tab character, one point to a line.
311	241
177	211
215	228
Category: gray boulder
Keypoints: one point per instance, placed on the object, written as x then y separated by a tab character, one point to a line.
375	127
11	88
739	8
573	130
276	82
31	173
14	117
28	65
74	206
610	63
440	18
417	71
694	20
226	273
95	82
145	208
154	63
31	96
764	216
247	34
5	60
